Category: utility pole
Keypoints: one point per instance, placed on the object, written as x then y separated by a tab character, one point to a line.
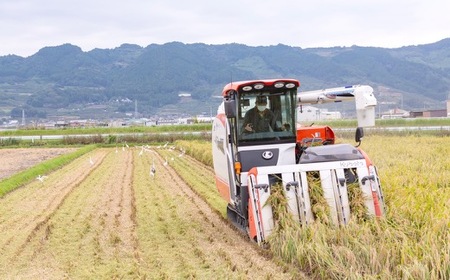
23	117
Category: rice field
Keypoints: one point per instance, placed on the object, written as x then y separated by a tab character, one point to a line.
411	242
113	219
105	215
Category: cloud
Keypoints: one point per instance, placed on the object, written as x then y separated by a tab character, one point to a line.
29	25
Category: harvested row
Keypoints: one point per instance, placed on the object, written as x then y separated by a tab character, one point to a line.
183	237
28	209
112	219
201	181
79	236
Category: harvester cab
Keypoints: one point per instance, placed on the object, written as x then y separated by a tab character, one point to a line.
257	145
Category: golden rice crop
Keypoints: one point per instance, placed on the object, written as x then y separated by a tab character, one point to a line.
412	240
319	205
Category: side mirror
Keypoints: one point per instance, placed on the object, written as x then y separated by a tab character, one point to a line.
230	108
359	135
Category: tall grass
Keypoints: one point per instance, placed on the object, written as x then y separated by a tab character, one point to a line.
110	139
108	130
199	149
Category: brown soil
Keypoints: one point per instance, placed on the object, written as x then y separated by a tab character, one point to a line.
16	160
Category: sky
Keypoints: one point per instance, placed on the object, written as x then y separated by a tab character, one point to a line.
26	26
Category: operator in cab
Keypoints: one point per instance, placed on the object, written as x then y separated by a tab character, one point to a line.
259	118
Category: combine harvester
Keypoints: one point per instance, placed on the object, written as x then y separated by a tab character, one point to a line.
248	163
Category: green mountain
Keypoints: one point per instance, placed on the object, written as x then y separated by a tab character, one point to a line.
156	80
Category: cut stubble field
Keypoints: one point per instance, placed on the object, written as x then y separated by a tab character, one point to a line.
112	219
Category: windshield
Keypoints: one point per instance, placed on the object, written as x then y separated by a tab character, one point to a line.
266	116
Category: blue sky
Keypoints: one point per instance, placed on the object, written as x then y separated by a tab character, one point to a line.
29	25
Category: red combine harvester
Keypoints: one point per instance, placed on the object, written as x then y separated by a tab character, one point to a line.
250	157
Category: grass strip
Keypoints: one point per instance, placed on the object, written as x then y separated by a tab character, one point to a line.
108	130
19	179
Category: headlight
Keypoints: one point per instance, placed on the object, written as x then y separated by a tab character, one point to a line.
290	85
258	86
278	85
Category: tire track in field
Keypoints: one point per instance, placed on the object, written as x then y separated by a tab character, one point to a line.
196	240
29	208
92	235
118	207
238	250
204	185
118	222
167	234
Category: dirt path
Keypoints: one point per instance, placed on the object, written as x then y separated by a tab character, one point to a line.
114	220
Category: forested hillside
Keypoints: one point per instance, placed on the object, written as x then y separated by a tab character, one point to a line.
64	80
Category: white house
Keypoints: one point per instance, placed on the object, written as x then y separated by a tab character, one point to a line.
310	113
